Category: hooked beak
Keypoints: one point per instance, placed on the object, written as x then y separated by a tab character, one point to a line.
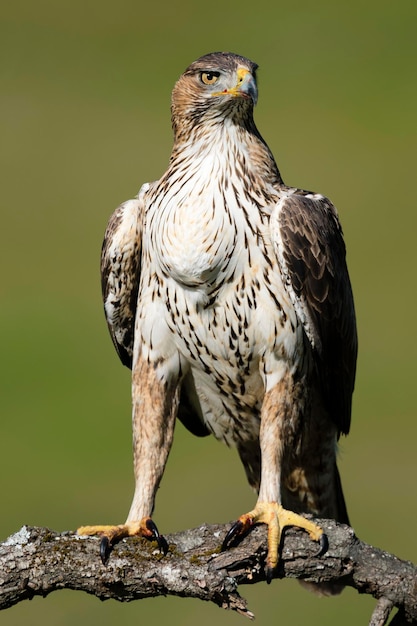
244	88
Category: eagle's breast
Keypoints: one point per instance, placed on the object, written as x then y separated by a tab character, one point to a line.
194	222
219	289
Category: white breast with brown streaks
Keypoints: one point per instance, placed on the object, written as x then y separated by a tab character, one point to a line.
215	282
192	224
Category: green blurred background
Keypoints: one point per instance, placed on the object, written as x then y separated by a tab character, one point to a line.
84	117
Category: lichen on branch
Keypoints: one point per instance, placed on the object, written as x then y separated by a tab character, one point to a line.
37	561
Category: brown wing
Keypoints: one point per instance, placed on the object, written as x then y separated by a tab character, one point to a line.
311	252
120	274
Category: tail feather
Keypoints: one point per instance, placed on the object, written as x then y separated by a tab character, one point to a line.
341	515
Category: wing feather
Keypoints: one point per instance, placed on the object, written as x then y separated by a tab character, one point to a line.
309	244
120	273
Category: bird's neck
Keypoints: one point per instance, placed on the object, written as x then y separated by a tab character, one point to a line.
228	144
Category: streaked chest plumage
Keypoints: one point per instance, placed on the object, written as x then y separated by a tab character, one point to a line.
211	290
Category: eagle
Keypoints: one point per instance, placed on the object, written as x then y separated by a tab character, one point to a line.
227	294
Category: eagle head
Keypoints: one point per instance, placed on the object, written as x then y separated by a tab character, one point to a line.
214	87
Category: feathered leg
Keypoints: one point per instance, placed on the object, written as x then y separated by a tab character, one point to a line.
155	405
279	427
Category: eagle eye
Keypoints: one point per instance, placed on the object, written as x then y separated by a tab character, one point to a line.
209	78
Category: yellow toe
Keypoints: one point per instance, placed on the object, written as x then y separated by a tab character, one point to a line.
113	534
276	518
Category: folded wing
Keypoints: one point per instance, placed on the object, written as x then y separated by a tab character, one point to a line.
308	241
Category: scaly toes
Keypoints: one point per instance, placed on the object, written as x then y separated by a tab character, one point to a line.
276	518
113	534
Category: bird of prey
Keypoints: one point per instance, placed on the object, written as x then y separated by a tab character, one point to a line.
227	294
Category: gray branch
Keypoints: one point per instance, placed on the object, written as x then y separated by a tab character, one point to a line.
37	561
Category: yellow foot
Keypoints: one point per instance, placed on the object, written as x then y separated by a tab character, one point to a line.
112	534
276	518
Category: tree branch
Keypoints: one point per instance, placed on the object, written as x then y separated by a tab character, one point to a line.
37	561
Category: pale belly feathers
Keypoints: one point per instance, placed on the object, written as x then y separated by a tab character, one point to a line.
213	303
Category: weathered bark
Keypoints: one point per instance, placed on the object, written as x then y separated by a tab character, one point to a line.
37	561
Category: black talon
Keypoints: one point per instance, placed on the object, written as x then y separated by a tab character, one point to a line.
269	572
324	545
234	531
160	539
162	545
105	549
